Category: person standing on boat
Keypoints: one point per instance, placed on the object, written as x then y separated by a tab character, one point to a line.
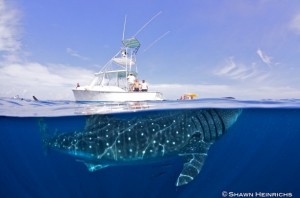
124	53
136	86
130	80
144	86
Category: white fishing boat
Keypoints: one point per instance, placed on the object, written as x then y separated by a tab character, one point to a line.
111	82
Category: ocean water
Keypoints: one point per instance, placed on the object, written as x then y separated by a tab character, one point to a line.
257	157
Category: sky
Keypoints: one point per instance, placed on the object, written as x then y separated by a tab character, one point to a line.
227	48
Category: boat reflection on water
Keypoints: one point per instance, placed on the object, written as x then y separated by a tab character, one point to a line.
106	108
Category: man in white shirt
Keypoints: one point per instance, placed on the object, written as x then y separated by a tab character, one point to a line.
144	86
130	80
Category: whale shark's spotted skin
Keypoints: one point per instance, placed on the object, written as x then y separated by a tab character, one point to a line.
116	139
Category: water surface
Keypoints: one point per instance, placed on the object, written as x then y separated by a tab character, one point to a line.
259	153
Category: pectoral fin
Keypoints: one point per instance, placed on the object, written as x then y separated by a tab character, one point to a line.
194	156
191	168
93	166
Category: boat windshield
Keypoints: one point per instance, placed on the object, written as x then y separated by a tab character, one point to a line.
112	78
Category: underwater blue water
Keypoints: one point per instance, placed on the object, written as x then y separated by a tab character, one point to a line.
258	154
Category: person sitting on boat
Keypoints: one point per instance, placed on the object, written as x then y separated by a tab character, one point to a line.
124	53
130	80
136	86
144	86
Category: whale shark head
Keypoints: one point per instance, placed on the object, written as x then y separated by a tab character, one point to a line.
116	139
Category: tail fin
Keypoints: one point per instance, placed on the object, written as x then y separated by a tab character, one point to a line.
34	98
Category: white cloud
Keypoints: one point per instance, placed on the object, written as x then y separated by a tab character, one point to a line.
54	82
9	23
43	81
265	58
76	54
23	78
238	71
174	91
295	24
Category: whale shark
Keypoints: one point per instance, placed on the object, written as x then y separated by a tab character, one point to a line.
141	137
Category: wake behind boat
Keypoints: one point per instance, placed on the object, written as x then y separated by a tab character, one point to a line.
116	81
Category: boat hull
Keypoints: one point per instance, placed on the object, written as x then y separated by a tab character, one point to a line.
94	95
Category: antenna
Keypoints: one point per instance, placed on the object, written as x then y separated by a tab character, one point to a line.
156	40
124	27
147	23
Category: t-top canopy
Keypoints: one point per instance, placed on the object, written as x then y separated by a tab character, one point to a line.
131	43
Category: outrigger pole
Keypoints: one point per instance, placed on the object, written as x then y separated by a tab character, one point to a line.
124	27
156	40
126	45
147	23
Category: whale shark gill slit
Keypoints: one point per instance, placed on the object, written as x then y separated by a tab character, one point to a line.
214	131
218	123
135	138
221	121
209	135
